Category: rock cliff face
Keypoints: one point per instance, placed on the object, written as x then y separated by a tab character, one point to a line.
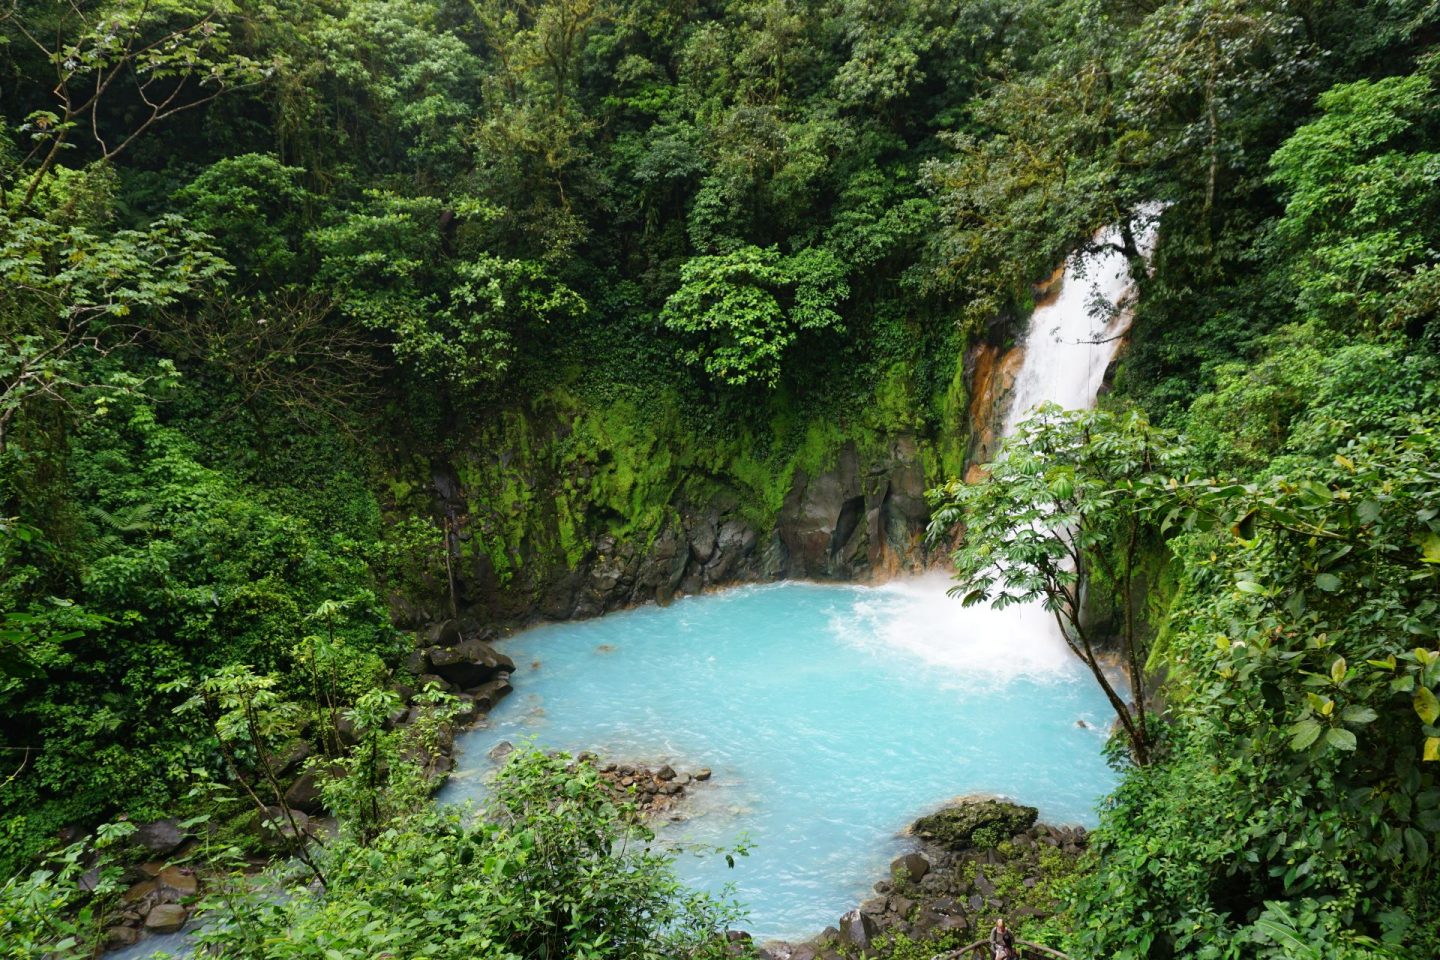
569	508
858	518
991	371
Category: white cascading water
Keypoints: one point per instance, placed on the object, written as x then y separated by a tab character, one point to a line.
1073	338
1070	342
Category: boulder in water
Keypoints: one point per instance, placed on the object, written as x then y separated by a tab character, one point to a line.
975	823
857	931
165	918
488	694
180	880
469	663
121	936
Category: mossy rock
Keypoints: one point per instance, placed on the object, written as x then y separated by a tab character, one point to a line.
975	823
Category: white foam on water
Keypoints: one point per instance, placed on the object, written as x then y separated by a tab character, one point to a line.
914	617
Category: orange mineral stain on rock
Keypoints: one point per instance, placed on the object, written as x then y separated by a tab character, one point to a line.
992	384
1047	291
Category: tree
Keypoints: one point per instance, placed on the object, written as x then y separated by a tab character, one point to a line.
534	141
460	318
250	719
1063	504
741	311
287	351
1298	804
162	57
67	297
1041	180
1361	212
555	866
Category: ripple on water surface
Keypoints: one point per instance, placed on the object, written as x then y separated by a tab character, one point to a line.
831	715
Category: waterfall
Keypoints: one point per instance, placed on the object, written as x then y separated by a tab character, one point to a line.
1073	336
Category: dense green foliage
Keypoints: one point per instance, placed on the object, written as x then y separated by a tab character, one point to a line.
553	866
1290	800
263	263
1286	331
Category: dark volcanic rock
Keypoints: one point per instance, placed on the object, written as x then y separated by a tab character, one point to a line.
305	793
416	662
468	664
857	930
290	756
446	633
910	868
161	836
487	695
702	540
954	828
850	515
277	830
121	936
179	880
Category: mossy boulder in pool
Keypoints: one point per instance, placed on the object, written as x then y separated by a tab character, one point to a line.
975	823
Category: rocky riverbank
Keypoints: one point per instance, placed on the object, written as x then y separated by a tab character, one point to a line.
978	859
166	875
654	791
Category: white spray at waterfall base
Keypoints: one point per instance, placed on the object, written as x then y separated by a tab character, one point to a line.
1069	344
914	617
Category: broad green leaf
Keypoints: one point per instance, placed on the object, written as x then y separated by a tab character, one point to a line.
1249	586
1416	846
1426	705
1327	582
1430	548
1358	715
1305	733
1340	738
1285	937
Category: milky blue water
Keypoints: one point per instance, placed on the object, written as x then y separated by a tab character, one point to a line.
831	715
